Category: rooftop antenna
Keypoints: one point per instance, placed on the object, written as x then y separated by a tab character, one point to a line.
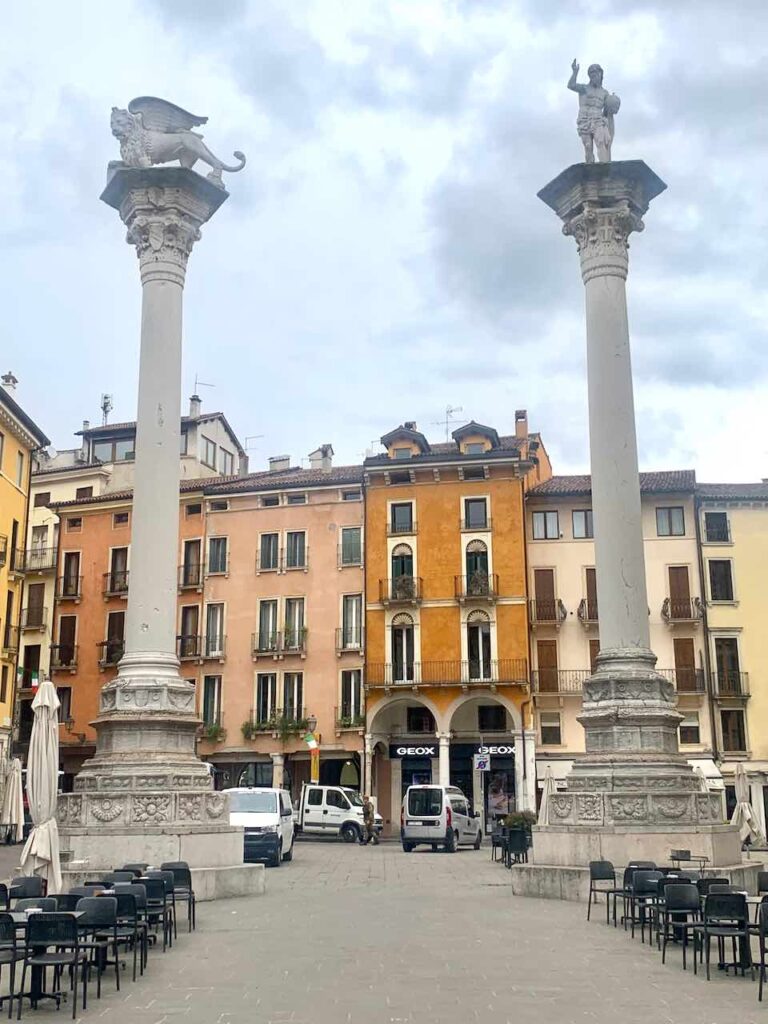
252	437
448	421
369	452
106	408
201	384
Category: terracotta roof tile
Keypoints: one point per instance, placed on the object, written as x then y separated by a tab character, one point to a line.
733	492
669	481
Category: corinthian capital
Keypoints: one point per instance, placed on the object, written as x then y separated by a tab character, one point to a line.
602	238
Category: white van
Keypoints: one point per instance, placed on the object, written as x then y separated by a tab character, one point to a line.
332	811
438	816
266	816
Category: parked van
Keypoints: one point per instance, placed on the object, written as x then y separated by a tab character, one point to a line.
266	816
332	811
438	816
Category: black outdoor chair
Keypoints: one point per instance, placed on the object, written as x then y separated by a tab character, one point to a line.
517	847
705	884
645	891
138	890
87	890
137	869
679	914
59	931
118	876
726	916
182	888
497	842
66	902
98	932
600	871
131	929
27	887
45	903
159	908
10	954
762	930
5	899
722	887
625	892
170	893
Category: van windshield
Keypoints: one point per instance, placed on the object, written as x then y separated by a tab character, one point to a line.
354	798
427	801
253	803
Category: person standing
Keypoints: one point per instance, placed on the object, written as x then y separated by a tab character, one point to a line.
369	831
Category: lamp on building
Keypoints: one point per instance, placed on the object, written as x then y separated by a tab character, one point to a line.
312	723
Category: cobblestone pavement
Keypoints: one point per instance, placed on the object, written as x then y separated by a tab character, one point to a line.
351	935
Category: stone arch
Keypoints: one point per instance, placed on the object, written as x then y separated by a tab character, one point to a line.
477	546
487	698
402	619
478	615
408	698
402	549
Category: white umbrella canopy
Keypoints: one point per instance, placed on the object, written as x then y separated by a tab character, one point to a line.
744	816
12	811
40	855
548	791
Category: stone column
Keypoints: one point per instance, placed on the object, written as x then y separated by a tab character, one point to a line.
444	759
368	765
632	775
278	765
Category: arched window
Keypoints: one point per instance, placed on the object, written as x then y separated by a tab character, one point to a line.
477	568
479	645
402	649
402	561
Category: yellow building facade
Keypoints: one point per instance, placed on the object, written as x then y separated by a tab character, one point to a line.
447	658
19	438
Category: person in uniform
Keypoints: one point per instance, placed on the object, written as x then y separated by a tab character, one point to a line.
369	823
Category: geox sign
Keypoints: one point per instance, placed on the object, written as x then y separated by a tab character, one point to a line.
423	751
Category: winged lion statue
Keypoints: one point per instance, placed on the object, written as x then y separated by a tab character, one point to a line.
154	131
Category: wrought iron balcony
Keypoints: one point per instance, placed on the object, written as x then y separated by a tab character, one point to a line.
215	646
294	560
15	561
294	641
34	618
265	642
64	657
401	590
730	684
475	526
480	672
402	529
347	717
717	533
116	583
40	559
286	721
11	636
111	652
681	609
3	550
191	576
549	612
587	612
350	638
352	555
559	680
188	646
479	586
69	588
686	680
269	561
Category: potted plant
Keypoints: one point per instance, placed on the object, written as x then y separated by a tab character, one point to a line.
214	732
520	819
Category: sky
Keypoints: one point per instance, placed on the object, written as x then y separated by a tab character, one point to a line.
383	255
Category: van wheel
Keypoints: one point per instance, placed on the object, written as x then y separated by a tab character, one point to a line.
434	847
277	859
288	856
408	847
350	833
450	842
479	840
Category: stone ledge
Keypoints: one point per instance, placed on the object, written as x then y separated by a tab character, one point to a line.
216	883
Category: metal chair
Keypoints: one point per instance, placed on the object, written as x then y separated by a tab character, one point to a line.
644	893
600	871
98	928
182	888
762	930
681	912
46	903
66	902
25	887
10	955
726	916
59	931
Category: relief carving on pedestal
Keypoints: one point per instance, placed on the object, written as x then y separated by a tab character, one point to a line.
672	806
113	782
191	807
180	701
149	781
589	808
561	805
150	810
107	810
629	808
215	805
69	810
108	698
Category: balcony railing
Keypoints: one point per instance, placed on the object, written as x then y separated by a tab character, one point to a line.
350	638
350	556
40	559
402	529
294	641
269	561
480	586
483	672
479	526
188	645
64	656
215	646
3	550
401	590
69	588
681	609
11	636
559	680
190	575
348	717
717	533
265	642
730	684
295	560
16	561
287	721
587	612
217	566
686	680
548	612
111	652
116	583
34	618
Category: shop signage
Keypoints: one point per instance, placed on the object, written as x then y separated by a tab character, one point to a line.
424	750
497	750
482	762
400	750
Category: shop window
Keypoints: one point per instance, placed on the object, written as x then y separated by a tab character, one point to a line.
551	732
689	729
420	720
491	718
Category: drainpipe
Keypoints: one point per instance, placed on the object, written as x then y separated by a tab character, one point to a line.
530	701
705	621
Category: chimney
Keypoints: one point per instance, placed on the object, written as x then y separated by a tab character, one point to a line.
9	381
521	423
84	446
410	425
322	458
279	463
195	406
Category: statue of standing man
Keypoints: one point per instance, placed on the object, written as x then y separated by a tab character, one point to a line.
596	109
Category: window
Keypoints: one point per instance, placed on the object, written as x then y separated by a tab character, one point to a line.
194	509
401	517
42	498
266	697
402	564
475	513
351	694
734	733
268	552
208	457
351	620
474	473
351	496
295	550
2	449
212	700
720	579
293	696
4	682
217	554
191	572
474	448
214	631
118	571
670	522
420	719
716	527
74	524
19	469
491	718
727	666
296	499
219	506
351	545
189	641
689	728
546	526
335	798
315	797
425	803
70	581
226	462
84	492
402	649
479	645
582	523
400	476
551	732
183	442
476	560
67	651
39	538
120	519
294	624
270	501
114	449
402	453
115	642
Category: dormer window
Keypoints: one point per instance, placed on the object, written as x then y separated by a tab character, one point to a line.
475	448
401	453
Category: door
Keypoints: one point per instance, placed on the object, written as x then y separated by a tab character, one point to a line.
479	649
679	592
314	807
190	624
267	640
67	628
351	618
119	570
544	593
71	581
115	636
35	606
546	656
31	670
294	623
402	653
214	630
591	582
685	665
191	574
727	665
337	810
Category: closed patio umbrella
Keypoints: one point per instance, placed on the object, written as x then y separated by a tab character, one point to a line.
548	791
12	811
744	816
40	855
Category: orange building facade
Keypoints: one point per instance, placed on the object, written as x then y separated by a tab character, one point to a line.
447	649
